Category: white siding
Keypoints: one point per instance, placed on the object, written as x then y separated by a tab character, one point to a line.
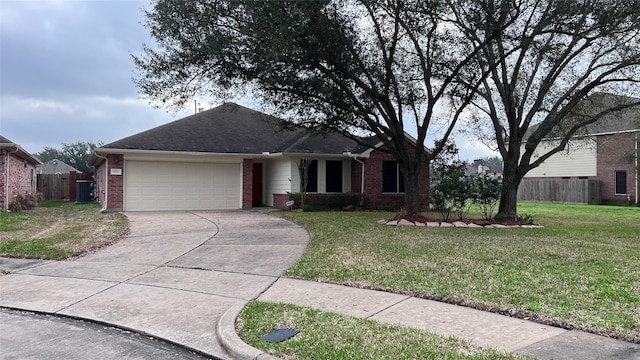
277	173
579	159
346	176
322	175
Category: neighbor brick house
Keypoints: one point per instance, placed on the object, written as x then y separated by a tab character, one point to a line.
17	172
233	157
606	151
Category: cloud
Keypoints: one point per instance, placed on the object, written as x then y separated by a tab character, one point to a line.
52	47
471	148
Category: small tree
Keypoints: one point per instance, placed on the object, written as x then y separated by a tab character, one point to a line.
485	192
303	170
451	195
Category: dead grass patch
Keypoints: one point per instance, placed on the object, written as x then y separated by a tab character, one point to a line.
59	232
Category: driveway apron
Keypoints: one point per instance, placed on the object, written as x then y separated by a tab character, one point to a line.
172	277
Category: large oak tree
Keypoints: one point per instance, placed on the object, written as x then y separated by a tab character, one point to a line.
551	73
73	154
375	67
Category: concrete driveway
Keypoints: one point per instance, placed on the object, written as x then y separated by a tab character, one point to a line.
172	277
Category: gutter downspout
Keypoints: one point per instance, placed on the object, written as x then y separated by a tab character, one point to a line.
6	179
637	169
106	182
362	178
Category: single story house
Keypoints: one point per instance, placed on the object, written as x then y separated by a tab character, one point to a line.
233	157
56	166
17	172
606	150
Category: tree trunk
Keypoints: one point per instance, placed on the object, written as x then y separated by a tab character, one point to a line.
509	196
412	192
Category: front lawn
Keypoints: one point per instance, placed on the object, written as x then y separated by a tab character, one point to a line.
582	270
330	336
58	230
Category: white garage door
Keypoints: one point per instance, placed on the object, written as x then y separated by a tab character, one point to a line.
181	186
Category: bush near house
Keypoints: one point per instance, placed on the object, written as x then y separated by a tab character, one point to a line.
22	203
329	201
456	193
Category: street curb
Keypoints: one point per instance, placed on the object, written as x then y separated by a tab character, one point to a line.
231	342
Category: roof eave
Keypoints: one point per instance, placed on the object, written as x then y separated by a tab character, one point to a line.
16	149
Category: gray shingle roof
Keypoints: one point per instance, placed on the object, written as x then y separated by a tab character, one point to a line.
233	129
56	166
18	151
4	140
614	122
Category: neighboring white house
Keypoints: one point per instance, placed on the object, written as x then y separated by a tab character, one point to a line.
606	150
577	160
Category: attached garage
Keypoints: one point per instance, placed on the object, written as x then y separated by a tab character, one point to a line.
163	185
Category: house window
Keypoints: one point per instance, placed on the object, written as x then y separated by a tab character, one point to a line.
312	176
334	176
621	182
392	178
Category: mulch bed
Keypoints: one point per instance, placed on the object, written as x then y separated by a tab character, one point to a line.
418	218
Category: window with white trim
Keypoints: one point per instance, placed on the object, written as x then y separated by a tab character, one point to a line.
392	178
621	183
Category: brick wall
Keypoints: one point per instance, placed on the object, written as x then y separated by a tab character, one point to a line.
20	178
280	201
373	182
114	200
247	183
613	155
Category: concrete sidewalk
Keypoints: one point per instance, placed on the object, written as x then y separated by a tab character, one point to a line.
486	329
172	277
184	277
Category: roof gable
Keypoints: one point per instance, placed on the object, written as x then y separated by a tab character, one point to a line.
17	150
233	129
56	166
624	120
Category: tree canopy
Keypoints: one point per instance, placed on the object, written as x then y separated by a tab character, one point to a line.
75	154
551	73
372	67
384	67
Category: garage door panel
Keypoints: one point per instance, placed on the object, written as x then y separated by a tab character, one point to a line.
182	186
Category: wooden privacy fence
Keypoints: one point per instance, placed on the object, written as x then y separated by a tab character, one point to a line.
60	186
580	191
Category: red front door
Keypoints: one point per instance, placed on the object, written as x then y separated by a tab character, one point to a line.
257	184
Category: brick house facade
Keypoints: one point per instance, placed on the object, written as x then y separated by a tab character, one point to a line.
17	172
617	167
232	157
604	153
109	183
373	182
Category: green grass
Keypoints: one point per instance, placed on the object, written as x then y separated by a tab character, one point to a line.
43	248
58	230
330	336
582	270
52	204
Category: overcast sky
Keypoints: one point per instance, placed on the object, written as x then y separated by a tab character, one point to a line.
65	74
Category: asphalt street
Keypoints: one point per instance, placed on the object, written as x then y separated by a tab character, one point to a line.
26	335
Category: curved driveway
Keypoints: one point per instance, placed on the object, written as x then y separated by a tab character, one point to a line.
172	277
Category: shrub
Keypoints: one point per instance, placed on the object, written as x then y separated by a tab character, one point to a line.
484	191
329	201
451	194
312	208
21	203
456	193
